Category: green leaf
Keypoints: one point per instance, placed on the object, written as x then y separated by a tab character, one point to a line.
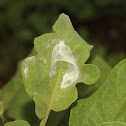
113	124
106	105
88	73
50	76
85	91
17	123
1	113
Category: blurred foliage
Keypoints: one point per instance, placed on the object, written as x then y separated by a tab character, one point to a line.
1	113
21	21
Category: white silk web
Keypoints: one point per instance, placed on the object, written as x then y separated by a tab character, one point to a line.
61	52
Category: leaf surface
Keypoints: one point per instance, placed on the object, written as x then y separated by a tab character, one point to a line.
50	76
113	124
1	113
85	91
17	123
106	105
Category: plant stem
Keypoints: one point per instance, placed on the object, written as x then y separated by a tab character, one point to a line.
43	122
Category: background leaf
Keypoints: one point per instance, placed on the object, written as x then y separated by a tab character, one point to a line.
8	92
50	76
104	68
23	108
55	118
17	104
106	104
1	113
17	123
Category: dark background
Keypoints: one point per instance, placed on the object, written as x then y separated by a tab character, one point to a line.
101	23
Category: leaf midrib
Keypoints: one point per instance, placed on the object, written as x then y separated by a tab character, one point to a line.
51	100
